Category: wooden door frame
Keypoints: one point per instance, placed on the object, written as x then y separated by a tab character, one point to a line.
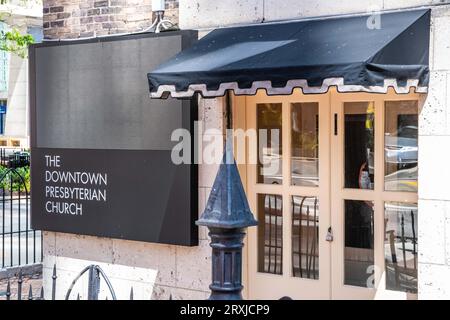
240	121
379	196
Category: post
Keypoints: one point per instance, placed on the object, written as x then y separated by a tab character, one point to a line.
226	263
94	283
227	215
54	282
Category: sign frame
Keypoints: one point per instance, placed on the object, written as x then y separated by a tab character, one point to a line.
189	110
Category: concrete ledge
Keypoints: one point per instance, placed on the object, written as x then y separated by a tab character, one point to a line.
27	270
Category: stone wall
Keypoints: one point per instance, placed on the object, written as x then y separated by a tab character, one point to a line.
209	14
434	156
69	19
434	118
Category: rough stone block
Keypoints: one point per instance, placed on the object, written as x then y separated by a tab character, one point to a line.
207	172
434	282
84	247
432	229
396	4
441	49
213	114
194	266
206	13
166	293
433	114
157	258
434	157
292	9
447	235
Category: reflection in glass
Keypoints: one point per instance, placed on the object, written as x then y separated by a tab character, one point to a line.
305	144
270	233
359	145
305	237
269	143
400	146
359	239
400	246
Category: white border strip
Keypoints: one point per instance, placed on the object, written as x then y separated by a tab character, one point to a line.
164	90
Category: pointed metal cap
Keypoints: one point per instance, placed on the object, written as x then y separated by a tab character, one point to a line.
227	206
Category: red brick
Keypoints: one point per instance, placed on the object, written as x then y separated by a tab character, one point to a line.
57	9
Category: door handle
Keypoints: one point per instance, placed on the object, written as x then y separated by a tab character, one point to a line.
335	124
329	236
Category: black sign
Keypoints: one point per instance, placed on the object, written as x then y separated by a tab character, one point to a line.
101	148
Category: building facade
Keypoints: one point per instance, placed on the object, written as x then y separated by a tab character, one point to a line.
14	117
158	271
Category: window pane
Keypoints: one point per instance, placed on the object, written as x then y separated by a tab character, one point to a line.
359	145
359	253
270	233
400	246
400	146
305	144
269	143
305	237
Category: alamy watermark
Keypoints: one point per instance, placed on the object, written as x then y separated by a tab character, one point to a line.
250	146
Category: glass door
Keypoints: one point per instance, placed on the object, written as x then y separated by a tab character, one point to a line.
288	181
332	180
374	195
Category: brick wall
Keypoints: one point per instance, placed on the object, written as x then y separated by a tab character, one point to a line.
69	19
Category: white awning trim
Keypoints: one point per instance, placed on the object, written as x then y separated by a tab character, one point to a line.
165	90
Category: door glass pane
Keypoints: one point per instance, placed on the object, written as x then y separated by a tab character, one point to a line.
305	237
400	146
305	144
269	143
359	253
270	233
400	246
359	145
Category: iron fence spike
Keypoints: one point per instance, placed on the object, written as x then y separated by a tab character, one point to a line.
54	282
78	296
170	297
131	293
42	293
8	290
19	286
30	293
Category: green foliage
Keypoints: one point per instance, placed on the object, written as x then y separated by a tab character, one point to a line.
17	182
15	42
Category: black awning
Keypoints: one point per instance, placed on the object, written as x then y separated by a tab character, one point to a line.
351	53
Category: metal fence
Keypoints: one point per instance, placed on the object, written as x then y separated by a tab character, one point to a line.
19	243
11	156
95	274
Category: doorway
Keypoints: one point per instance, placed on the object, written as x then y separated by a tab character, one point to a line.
334	188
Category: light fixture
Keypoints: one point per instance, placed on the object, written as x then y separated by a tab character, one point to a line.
158	7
